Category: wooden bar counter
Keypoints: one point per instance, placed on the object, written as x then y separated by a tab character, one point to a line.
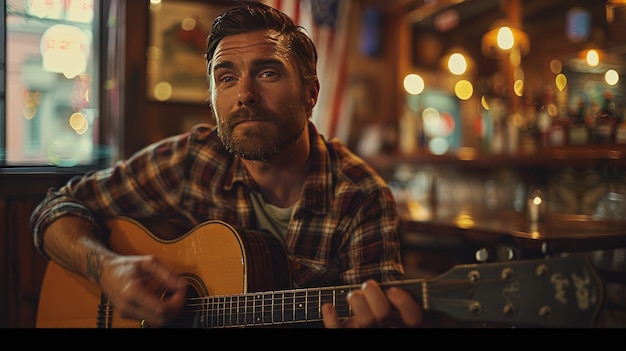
556	233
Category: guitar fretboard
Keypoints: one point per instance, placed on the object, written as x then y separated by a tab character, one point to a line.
272	308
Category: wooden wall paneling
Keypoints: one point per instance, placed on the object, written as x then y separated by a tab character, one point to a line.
147	121
137	122
27	265
22	267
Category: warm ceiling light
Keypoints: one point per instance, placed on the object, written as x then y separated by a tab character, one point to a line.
592	58
457	64
505	38
463	89
413	84
611	77
560	81
502	39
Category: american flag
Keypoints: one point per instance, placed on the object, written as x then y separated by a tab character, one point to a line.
327	23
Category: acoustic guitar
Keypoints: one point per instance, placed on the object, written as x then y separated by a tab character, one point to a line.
239	278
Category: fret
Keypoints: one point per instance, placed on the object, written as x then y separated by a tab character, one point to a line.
267	308
220	308
241	311
277	308
338	298
227	311
312	307
205	312
299	307
212	317
229	315
289	309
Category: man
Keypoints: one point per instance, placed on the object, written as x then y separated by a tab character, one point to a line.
263	167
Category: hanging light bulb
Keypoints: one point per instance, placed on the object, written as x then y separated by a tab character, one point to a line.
502	39
592	58
457	63
505	38
611	77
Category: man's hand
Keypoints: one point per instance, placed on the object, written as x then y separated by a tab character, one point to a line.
371	307
141	288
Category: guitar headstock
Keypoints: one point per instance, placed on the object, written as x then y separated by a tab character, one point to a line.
557	292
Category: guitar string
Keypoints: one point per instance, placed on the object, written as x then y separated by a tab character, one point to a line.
255	312
264	308
268	308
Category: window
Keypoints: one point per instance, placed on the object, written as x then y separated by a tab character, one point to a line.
59	83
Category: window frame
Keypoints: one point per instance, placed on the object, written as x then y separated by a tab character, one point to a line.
16	180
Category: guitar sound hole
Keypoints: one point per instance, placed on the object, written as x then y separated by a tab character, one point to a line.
192	314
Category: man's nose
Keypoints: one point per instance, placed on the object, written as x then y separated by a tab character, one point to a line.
247	93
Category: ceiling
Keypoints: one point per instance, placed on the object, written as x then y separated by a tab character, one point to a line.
475	17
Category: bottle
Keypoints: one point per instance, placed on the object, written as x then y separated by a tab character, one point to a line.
529	132
544	121
551	125
578	130
558	130
606	121
498	113
407	137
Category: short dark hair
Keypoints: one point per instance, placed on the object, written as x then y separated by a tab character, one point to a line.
250	16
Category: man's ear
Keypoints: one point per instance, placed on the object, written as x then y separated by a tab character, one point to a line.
314	90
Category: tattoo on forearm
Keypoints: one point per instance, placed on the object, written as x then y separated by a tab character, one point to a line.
94	268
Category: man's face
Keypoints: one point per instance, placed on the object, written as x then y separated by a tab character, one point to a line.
256	95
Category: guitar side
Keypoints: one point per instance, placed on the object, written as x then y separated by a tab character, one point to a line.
214	258
67	300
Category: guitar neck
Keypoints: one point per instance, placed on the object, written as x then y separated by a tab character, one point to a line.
559	292
278	307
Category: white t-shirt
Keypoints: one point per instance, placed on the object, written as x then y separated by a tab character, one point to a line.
272	218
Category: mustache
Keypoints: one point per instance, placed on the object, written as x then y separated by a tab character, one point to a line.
247	114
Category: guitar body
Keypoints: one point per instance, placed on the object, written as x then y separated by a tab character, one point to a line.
67	300
214	257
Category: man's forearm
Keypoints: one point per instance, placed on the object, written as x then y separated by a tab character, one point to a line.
71	242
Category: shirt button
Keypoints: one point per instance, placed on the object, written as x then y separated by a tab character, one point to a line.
297	265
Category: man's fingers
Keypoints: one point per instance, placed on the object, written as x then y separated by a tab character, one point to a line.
167	278
329	313
410	312
373	307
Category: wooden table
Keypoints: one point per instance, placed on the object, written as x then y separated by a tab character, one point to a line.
555	234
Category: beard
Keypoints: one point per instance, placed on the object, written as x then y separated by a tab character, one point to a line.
279	131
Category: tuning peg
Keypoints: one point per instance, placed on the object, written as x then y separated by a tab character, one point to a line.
506	253
545	249
482	255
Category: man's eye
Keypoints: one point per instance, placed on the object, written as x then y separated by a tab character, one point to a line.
226	79
268	74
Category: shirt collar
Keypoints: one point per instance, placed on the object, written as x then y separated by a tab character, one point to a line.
317	189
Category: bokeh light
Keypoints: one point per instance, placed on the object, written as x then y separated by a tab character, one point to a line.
505	38
413	84
464	89
457	64
611	77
